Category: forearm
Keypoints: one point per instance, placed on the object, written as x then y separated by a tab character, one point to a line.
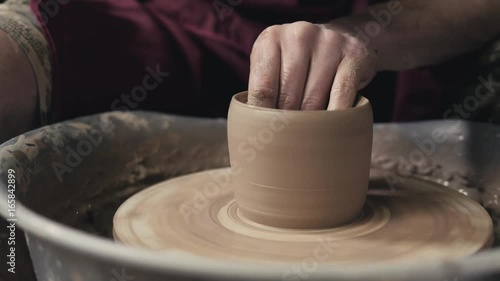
25	71
18	95
413	33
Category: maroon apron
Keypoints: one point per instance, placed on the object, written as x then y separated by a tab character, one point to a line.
182	57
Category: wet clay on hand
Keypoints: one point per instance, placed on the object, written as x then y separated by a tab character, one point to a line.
300	169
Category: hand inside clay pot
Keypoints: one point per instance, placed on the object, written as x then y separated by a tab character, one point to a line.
313	173
305	66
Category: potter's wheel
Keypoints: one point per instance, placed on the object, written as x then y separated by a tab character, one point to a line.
147	148
415	219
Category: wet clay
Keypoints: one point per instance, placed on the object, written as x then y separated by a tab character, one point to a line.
412	220
300	169
298	188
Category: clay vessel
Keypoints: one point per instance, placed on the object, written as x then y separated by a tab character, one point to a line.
299	169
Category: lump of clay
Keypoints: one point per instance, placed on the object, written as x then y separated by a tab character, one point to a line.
300	169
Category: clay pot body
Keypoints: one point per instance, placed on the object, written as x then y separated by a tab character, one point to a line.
299	169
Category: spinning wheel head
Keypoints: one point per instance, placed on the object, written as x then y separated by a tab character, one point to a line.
416	221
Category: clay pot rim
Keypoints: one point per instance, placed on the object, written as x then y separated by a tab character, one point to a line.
238	100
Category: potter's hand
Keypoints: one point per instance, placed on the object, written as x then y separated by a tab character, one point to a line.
309	67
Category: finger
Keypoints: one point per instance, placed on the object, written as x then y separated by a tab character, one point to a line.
265	64
352	74
295	62
320	79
